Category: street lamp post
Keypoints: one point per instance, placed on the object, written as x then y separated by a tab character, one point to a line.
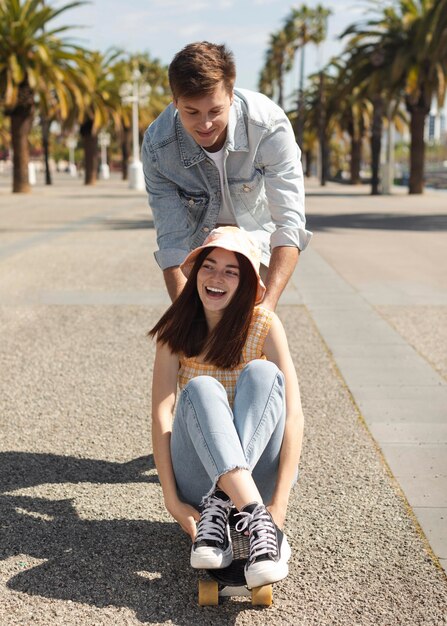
135	93
71	145
104	142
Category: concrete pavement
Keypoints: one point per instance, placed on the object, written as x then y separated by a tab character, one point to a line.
85	538
387	267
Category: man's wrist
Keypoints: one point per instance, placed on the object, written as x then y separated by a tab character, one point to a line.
269	302
175	281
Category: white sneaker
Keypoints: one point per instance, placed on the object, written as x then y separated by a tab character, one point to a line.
212	547
269	548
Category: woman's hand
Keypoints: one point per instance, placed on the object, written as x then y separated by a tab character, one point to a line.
186	516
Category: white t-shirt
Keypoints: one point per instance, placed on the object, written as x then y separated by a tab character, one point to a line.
226	214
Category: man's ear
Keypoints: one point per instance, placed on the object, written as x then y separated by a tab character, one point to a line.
175	102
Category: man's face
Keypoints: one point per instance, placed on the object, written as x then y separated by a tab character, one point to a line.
206	118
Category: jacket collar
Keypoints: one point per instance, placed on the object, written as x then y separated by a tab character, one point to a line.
237	139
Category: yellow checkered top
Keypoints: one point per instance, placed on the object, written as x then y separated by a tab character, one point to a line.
259	328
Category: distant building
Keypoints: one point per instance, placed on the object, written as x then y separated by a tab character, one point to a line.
436	127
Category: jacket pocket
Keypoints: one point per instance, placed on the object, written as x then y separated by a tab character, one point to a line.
195	205
249	195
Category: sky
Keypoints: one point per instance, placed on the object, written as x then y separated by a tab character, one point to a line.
163	27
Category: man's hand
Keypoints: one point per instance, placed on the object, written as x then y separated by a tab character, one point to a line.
282	263
175	281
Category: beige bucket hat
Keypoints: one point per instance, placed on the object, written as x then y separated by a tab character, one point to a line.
235	240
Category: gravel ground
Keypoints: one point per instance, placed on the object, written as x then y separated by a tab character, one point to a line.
84	535
424	328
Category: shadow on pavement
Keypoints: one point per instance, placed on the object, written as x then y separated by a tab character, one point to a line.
19	470
338	194
99	196
103	224
377	221
127	224
137	564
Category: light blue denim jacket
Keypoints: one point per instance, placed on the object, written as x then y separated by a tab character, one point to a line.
264	174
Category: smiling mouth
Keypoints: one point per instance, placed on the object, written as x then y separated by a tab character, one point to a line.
214	292
205	133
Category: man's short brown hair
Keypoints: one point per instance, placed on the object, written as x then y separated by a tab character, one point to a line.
199	67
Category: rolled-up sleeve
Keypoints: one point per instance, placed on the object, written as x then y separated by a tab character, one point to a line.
170	216
284	186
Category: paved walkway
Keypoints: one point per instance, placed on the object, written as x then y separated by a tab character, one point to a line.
84	535
389	267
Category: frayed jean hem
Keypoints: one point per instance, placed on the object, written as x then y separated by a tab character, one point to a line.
216	481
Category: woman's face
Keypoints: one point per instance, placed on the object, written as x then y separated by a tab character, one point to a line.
218	280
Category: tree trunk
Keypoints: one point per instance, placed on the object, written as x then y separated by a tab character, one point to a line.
325	160
417	149
280	87
309	160
322	130
45	124
90	141
21	123
300	103
126	149
376	144
356	157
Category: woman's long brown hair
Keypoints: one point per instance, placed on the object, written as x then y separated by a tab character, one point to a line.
184	329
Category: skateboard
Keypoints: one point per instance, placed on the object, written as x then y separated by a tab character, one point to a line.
230	581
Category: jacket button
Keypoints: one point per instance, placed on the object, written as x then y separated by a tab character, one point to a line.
191	202
206	229
246	188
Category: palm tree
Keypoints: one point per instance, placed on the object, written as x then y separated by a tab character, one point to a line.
439	31
34	62
266	83
45	124
303	26
412	36
367	70
311	129
152	73
364	72
121	73
422	62
358	113
4	137
278	61
99	108
323	112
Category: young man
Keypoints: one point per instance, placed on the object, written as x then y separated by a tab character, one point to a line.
220	156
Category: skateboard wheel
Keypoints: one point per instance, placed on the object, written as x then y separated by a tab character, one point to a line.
262	596
208	593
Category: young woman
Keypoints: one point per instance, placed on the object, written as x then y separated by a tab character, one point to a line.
235	440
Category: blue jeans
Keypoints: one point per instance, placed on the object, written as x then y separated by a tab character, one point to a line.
209	438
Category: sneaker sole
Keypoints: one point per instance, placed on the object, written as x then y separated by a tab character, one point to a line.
266	575
267	572
211	561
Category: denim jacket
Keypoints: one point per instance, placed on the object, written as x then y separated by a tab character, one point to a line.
264	175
